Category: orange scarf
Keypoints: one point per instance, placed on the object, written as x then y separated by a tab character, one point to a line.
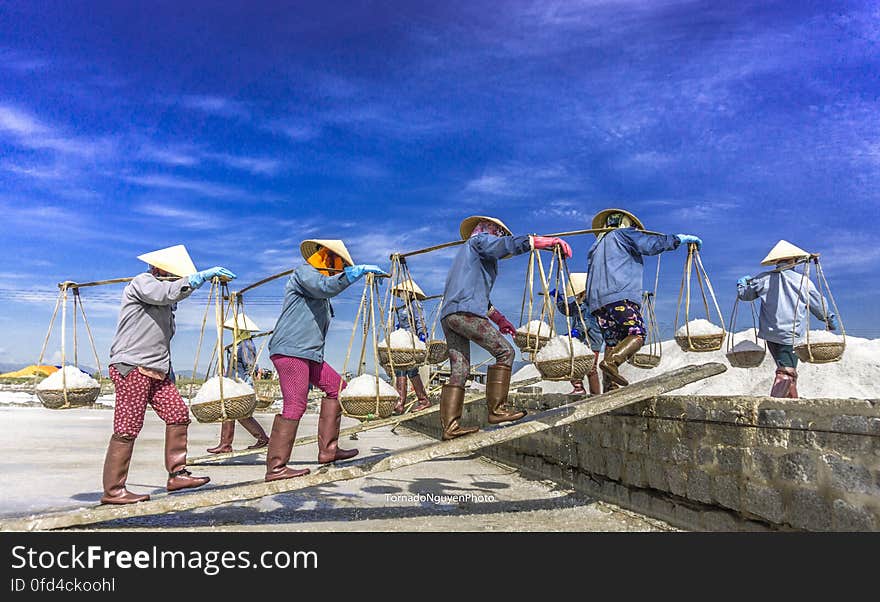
321	262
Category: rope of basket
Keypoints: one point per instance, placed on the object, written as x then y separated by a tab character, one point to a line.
61	302
817	353
400	274
527	342
710	342
749	358
653	342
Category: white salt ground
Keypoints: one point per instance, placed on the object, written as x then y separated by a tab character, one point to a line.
747	346
558	348
536	327
76	379
365	386
698	327
403	339
210	390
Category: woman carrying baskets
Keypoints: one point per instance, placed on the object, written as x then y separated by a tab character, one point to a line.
614	284
246	357
412	296
466	314
297	351
781	320
140	367
588	329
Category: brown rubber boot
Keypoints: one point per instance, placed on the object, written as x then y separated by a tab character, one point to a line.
624	350
497	389
328	433
422	395
280	445
593	378
251	425
785	379
451	404
175	460
792	390
227	432
400	385
577	388
116	472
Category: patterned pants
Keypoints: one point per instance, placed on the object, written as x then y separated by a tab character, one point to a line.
295	374
619	320
135	391
460	329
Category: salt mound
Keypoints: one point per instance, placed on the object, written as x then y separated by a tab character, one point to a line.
698	327
558	348
821	336
75	378
210	391
536	327
747	346
403	339
365	386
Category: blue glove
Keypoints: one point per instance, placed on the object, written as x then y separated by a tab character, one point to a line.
199	278
833	322
575	333
557	296
422	337
356	272
744	281
690	238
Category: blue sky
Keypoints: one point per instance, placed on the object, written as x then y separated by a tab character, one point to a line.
241	130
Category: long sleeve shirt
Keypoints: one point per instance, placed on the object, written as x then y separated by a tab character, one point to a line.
404	322
245	359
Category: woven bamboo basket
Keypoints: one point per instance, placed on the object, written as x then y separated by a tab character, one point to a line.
402	358
746	359
529	342
76	398
436	351
236	408
822	353
565	368
365	408
645	361
266	393
700	343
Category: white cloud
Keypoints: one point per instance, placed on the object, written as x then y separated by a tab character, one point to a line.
208	189
189	218
518	180
264	166
216	105
29	132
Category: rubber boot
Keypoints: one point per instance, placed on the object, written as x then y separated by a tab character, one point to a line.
607	383
451	404
116	472
792	390
175	460
577	388
328	433
497	389
251	425
280	445
400	385
227	432
593	376
624	350
785	378
422	395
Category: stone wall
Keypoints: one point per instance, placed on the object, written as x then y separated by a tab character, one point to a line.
714	463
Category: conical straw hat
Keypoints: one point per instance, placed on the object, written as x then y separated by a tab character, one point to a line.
174	260
310	247
599	218
783	250
469	223
577	283
409	286
244	323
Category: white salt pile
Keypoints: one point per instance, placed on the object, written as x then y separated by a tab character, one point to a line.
536	327
747	346
365	386
210	391
821	336
75	378
403	339
697	328
558	348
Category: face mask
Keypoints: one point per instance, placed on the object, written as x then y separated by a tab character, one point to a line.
320	260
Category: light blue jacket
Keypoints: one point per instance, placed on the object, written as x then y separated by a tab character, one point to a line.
589	326
246	358
404	322
615	266
780	294
474	270
305	318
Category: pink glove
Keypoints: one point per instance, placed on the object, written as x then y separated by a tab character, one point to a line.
548	242
503	323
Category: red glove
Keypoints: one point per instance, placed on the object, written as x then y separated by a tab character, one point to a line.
503	323
548	242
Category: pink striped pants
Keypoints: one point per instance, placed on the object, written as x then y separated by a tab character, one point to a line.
295	374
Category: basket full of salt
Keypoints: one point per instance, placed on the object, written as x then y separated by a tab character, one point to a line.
564	358
746	354
266	391
238	401
820	347
368	397
532	336
82	390
700	335
645	360
436	351
404	350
